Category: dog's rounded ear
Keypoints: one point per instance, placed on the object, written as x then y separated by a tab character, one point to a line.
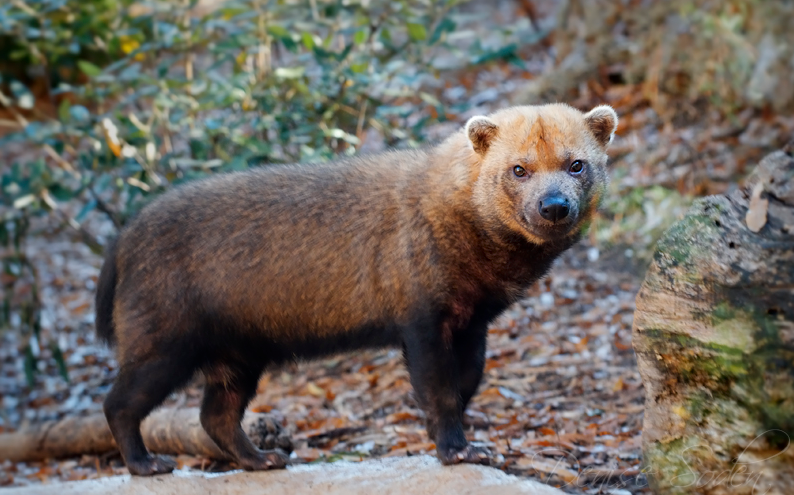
481	132
602	121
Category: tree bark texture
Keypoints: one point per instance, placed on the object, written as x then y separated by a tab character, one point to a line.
165	431
714	338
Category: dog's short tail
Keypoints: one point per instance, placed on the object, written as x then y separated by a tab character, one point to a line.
105	294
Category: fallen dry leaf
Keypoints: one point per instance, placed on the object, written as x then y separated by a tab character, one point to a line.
315	390
756	213
552	467
309	454
401	416
262	408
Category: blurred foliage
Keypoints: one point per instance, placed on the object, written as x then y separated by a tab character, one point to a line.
247	83
729	53
150	94
52	37
726	54
635	219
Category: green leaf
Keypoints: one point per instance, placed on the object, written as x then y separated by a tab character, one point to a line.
90	205
507	53
360	37
290	72
417	32
344	53
308	40
359	68
30	366
430	99
63	110
59	361
279	32
88	68
60	193
446	25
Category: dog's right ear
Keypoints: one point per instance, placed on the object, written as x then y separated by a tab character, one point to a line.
481	132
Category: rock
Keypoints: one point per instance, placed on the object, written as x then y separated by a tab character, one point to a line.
417	475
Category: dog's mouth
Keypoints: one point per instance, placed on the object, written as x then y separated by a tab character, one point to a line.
549	231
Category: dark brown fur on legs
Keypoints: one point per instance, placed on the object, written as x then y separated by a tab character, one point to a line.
463	363
139	388
445	376
420	249
227	393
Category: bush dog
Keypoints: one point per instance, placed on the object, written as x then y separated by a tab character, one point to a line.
418	249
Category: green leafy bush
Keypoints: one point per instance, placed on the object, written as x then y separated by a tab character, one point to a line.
245	84
167	93
51	38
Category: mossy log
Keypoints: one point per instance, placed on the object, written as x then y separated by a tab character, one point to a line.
166	431
714	338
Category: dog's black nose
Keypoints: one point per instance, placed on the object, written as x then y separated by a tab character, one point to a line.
553	208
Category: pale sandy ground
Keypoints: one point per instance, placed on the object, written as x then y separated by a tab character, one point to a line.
417	475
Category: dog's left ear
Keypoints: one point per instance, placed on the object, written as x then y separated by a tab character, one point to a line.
602	121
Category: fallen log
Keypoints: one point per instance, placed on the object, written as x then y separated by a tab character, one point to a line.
166	431
714	338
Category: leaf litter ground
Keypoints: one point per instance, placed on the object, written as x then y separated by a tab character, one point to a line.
561	400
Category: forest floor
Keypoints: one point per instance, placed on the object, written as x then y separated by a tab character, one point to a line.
561	401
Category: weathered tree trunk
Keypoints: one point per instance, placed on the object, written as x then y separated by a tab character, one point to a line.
166	431
714	337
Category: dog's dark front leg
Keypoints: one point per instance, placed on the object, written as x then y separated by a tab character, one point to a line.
470	356
433	367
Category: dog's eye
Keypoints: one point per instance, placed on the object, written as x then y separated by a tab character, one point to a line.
576	167
519	171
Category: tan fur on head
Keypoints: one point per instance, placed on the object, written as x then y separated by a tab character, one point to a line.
544	141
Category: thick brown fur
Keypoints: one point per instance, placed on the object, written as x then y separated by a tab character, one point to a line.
418	249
